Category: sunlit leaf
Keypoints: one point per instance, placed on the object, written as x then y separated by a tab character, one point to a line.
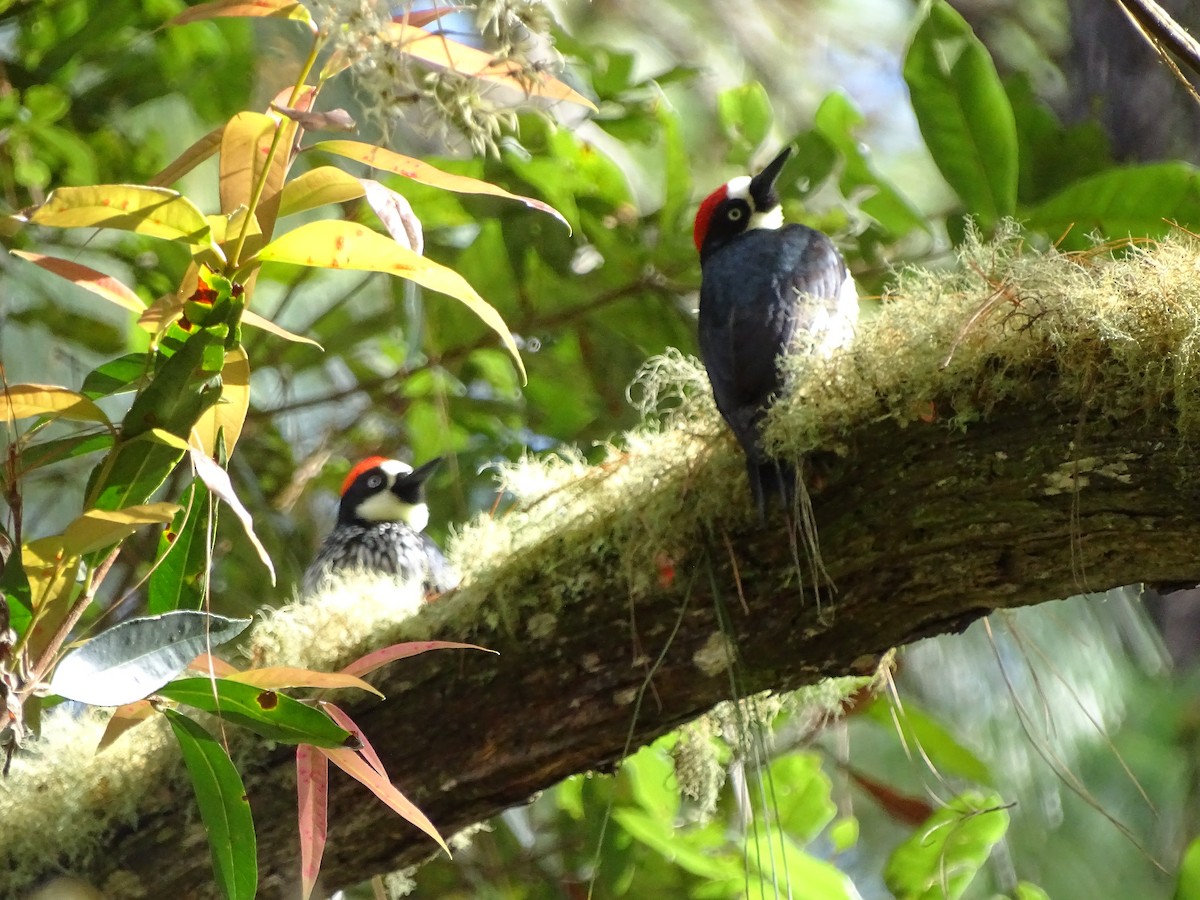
271	9
318	187
277	677
22	401
254	320
100	528
227	416
396	214
115	376
224	808
218	482
441	52
189	158
244	146
343	245
407	166
104	286
124	718
1187	887
379	785
274	716
181	566
135	658
312	793
207	664
378	658
154	211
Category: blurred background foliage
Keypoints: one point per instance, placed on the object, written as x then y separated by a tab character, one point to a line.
1070	715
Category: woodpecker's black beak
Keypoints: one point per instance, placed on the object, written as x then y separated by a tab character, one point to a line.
762	185
410	487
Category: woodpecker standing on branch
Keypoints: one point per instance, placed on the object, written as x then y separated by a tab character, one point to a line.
766	289
380	527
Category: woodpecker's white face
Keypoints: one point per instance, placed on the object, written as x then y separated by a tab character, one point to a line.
386	490
739	205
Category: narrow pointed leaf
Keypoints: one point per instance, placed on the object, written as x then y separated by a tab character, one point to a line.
124	718
441	52
224	808
379	785
279	677
134	659
203	149
422	172
367	751
206	664
318	187
396	214
254	320
343	245
21	401
100	528
104	286
154	211
227	416
218	482
244	145
272	715
378	658
177	581
270	9
312	793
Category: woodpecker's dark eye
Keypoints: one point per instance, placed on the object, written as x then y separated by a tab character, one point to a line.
375	481
734	214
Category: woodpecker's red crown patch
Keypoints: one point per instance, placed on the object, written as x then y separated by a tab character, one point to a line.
370	462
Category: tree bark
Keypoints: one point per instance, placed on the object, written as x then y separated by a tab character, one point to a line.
922	530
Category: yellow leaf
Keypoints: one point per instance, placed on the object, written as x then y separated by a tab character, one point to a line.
100	528
244	145
164	437
398	164
24	400
229	412
273	9
154	211
254	320
189	158
161	313
278	677
53	579
124	718
317	187
343	245
439	51
89	279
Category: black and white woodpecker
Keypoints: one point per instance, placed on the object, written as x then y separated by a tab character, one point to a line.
380	529
766	289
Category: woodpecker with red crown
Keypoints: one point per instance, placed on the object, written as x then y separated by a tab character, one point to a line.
379	530
766	289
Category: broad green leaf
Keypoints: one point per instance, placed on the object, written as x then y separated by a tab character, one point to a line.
22	401
272	715
178	577
379	785
114	376
103	286
100	528
312	790
226	417
918	729
407	166
135	658
217	480
154	211
661	836
801	798
745	114
278	677
271	9
1187	887
944	855
963	113
343	245
1027	891
774	855
224	808
376	659
439	51
1136	201
35	456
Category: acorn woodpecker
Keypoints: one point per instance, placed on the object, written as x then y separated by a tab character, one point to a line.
766	289
379	529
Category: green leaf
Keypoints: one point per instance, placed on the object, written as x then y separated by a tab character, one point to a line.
661	836
114	376
963	113
946	852
224	808
918	728
1139	201
134	659
272	715
1188	885
808	878
745	115
35	456
801	796
1027	891
176	580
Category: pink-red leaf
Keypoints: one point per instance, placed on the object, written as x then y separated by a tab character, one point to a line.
422	172
366	664
346	722
98	283
379	785
312	792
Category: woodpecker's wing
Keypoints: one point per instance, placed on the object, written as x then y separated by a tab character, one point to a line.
825	302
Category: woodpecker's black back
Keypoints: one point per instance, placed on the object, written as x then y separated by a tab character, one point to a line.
378	530
766	289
